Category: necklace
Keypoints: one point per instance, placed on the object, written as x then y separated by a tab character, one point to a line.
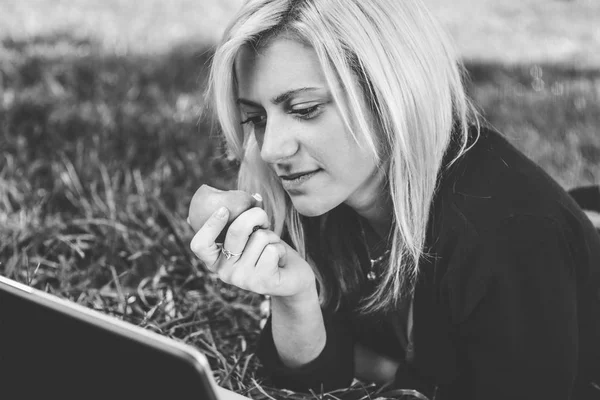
372	275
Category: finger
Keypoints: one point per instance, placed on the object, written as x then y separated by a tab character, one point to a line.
262	276
203	243
256	244
237	238
243	226
267	273
272	252
234	272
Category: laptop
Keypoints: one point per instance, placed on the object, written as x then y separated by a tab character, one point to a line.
53	348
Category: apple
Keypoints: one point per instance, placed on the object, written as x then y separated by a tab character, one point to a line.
208	199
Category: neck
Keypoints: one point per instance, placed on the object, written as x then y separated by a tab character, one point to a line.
375	206
379	220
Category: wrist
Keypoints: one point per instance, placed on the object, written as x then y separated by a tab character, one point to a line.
304	300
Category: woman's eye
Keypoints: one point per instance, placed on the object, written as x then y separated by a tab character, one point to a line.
255	120
307	112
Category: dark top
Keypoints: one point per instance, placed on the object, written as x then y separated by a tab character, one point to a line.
508	307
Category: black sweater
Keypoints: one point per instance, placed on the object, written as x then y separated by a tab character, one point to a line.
508	307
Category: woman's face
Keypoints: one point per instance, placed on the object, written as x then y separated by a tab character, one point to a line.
283	94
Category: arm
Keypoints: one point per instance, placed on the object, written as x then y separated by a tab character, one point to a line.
296	337
298	328
333	367
521	341
372	366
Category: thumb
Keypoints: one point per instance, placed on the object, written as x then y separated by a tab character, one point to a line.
257	200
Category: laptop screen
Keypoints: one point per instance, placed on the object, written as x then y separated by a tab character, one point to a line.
47	352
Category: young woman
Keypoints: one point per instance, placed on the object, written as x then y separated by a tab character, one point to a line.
399	240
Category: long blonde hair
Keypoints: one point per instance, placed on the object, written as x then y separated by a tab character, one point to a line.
391	64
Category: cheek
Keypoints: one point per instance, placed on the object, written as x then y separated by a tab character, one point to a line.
333	146
345	158
356	168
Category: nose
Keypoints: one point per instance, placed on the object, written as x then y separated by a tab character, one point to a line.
278	142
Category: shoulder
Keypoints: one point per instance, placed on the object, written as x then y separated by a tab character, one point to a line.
492	184
497	215
493	180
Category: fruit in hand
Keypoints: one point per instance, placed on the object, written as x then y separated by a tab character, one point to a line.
208	199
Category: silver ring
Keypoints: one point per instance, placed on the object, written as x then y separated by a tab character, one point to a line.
229	254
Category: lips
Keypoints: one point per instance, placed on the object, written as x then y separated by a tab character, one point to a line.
291	177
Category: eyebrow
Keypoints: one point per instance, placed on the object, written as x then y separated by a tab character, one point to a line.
285	96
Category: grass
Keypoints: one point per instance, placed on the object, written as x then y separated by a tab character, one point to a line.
101	151
548	111
523	31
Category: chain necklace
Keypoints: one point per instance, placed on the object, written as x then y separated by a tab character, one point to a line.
372	275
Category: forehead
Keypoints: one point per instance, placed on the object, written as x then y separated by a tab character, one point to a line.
284	64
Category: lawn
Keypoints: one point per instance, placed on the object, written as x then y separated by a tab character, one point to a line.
102	149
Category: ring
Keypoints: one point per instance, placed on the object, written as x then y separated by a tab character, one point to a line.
229	254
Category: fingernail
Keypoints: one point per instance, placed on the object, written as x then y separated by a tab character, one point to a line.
257	197
221	212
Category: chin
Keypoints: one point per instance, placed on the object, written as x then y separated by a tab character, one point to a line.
310	207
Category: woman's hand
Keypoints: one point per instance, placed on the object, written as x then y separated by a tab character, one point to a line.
261	261
254	258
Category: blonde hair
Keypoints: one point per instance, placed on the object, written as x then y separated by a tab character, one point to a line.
388	62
